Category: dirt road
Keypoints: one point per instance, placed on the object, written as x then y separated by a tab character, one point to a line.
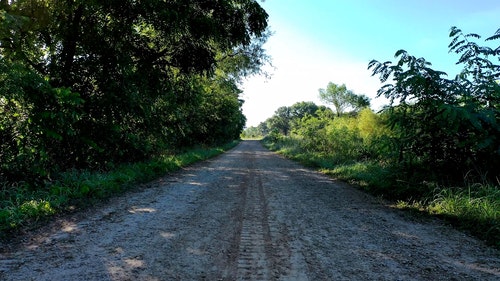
247	215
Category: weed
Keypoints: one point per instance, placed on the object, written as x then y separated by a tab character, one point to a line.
474	207
21	203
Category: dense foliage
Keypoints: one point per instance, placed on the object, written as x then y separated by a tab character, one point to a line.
451	126
435	148
435	128
341	98
351	137
287	118
88	84
74	189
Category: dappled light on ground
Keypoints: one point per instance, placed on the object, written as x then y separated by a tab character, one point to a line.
249	215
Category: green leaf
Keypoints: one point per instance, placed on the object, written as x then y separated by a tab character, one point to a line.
494	37
454	31
53	134
474	35
84	189
400	52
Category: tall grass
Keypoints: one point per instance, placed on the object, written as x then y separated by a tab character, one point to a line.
473	207
21	204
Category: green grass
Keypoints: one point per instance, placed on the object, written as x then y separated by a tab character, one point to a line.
23	204
474	208
251	138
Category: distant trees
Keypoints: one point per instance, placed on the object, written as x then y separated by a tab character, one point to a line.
286	118
281	120
341	98
435	127
86	83
252	133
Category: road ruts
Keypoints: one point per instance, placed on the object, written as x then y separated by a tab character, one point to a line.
246	215
255	253
253	261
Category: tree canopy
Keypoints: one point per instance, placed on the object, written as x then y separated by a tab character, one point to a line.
84	83
451	124
287	118
341	98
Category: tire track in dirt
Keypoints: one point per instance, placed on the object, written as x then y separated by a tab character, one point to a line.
255	259
247	215
263	249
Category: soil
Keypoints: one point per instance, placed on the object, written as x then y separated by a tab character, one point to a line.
248	214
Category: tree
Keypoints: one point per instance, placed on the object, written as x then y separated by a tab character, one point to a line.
263	128
300	109
89	82
252	132
358	102
342	98
280	121
446	124
286	118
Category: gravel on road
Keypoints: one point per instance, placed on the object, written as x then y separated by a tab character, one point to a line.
248	214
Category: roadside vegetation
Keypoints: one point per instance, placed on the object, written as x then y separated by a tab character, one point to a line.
25	205
434	150
96	95
251	133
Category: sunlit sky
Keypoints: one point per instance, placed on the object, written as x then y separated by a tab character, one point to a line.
321	41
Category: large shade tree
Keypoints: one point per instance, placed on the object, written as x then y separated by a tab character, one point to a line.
85	82
342	98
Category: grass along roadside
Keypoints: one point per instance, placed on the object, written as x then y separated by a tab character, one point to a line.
22	204
474	207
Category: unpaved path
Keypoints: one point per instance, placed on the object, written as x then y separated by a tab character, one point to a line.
247	215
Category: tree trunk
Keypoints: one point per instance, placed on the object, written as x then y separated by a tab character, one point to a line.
69	47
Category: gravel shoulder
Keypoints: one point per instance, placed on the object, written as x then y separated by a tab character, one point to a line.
248	214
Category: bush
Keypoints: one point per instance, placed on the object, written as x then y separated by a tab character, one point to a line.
21	204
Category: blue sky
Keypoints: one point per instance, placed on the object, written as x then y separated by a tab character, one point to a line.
321	41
